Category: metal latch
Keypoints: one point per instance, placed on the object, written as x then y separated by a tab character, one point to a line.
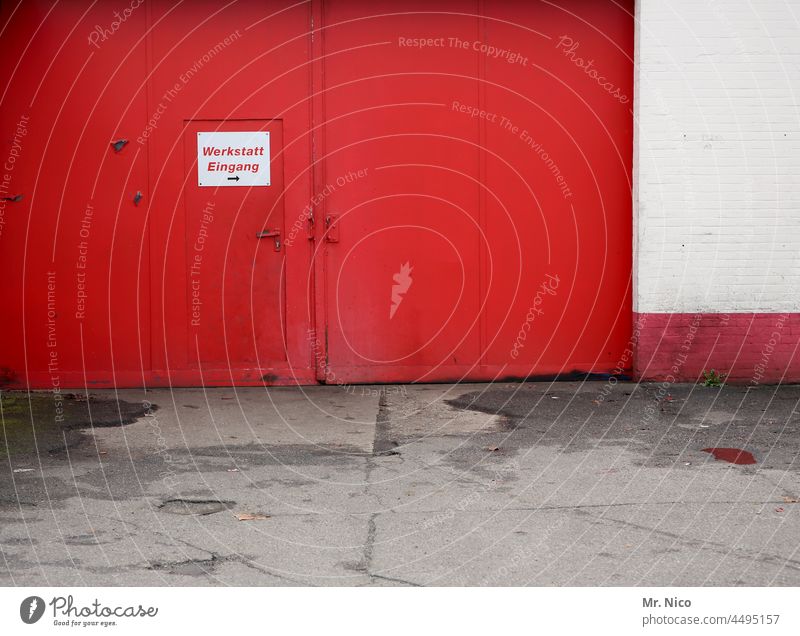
310	228
273	234
332	228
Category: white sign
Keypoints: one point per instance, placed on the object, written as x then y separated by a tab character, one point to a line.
233	159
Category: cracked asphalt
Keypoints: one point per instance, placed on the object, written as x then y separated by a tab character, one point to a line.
579	483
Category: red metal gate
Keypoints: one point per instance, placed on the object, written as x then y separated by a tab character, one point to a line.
490	233
449	194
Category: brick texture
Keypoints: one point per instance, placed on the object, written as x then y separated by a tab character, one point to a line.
717	192
753	348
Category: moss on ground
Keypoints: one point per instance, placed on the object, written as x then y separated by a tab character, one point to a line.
49	422
28	424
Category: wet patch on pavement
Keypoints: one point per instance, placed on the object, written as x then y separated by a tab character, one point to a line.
41	423
666	428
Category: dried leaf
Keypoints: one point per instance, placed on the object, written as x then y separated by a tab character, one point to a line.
250	516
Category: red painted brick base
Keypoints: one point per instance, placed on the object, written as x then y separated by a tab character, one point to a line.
748	348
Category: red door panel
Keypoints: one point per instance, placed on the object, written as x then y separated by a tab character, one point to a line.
74	246
560	160
222	66
491	234
403	297
234	296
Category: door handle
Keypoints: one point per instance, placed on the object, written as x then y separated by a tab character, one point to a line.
273	234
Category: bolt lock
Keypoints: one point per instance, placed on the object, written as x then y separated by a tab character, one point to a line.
273	234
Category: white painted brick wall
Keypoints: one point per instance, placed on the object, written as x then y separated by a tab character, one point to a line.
717	156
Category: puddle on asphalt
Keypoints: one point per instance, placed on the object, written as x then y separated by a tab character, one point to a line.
37	422
731	455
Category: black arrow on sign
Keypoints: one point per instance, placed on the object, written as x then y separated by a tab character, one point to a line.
236	178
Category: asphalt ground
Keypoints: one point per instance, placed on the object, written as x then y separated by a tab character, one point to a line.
584	483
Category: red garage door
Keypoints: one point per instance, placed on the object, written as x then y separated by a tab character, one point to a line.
445	192
484	226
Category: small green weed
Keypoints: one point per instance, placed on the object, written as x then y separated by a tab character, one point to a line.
713	379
